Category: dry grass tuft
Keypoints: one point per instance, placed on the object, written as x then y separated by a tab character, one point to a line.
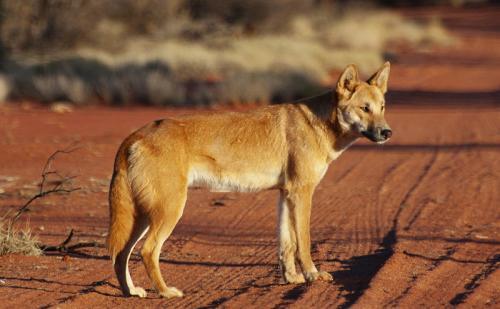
14	240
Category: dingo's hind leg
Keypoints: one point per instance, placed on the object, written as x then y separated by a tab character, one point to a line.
121	262
163	217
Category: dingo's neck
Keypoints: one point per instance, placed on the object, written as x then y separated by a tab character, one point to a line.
324	109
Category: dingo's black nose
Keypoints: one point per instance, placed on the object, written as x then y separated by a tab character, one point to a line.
386	133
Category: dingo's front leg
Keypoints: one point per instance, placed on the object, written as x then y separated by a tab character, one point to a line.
301	198
288	243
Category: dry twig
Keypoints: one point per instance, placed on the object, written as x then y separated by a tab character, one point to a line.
64	248
60	184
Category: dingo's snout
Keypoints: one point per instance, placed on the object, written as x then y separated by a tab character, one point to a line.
386	133
378	134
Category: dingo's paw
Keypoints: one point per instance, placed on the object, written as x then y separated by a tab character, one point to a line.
138	291
318	275
294	278
171	292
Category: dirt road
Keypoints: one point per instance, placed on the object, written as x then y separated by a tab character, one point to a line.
415	222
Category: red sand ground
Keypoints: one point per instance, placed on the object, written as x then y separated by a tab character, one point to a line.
415	222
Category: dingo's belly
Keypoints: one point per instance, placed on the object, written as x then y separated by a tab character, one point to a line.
234	181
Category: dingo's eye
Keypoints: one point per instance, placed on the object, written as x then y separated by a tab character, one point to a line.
366	108
383	107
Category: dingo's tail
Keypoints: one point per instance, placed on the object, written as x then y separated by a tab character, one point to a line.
121	208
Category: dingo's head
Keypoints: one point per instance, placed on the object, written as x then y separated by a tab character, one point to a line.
361	105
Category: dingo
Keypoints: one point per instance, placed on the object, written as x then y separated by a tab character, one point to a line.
286	147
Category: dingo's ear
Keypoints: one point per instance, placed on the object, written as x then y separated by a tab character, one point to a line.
380	78
348	81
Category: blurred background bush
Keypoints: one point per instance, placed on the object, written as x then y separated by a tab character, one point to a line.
195	52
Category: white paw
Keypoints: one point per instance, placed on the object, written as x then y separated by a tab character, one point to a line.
171	292
294	278
318	275
138	291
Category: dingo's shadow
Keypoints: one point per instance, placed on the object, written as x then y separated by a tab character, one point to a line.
357	272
